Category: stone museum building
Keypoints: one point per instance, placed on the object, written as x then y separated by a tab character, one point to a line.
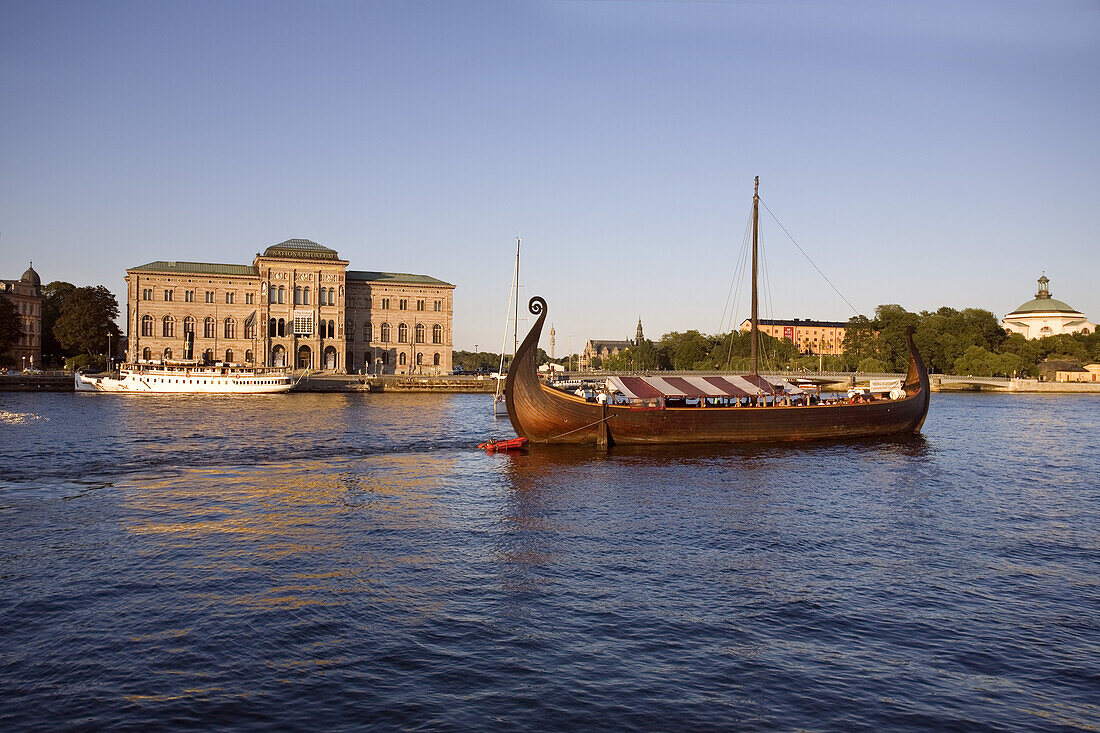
26	295
297	305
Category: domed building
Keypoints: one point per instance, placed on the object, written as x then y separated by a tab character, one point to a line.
1045	316
26	295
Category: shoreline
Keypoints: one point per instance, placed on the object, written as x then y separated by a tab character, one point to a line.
401	384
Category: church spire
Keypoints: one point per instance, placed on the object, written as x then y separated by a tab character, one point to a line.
639	337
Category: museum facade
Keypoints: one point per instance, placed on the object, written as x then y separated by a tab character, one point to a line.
298	306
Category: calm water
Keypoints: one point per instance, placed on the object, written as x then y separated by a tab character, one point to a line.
344	562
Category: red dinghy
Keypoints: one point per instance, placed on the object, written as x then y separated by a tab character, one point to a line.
494	446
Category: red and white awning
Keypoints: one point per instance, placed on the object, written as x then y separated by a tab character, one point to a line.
644	388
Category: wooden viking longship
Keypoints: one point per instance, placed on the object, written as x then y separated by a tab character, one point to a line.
658	410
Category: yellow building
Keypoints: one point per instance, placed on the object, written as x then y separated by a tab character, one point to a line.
26	295
811	337
298	306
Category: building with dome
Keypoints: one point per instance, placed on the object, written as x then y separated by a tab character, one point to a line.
1045	316
26	295
297	305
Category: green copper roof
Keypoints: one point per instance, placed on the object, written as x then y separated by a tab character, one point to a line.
197	268
394	277
1043	305
301	249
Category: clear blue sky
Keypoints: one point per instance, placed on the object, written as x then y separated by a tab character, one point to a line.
923	153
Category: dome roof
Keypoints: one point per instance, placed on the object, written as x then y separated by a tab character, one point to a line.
30	276
301	249
1044	305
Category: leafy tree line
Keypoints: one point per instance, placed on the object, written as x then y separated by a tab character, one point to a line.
967	341
76	322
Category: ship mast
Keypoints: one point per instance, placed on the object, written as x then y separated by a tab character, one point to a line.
755	319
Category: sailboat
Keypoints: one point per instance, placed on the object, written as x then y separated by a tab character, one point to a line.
711	409
500	406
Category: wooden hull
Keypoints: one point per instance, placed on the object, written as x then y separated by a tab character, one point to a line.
546	415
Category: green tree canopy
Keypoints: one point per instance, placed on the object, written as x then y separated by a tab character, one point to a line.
11	325
87	316
53	297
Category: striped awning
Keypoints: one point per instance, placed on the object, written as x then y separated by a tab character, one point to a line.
645	388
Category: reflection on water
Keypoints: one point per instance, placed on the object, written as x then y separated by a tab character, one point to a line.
324	560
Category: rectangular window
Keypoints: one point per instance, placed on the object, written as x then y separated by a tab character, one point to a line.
403	304
229	297
303	323
209	296
167	296
249	298
189	296
385	304
147	294
420	305
438	305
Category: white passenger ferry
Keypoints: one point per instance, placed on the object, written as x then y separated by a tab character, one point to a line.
189	377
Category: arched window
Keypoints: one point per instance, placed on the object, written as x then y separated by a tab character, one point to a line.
419	359
437	334
332	329
305	296
401	360
272	326
146	354
167	353
282	294
271	295
208	327
188	325
229	355
248	356
297	295
282	327
420	333
384	337
146	325
435	360
208	356
250	329
168	327
332	296
367	332
230	328
402	334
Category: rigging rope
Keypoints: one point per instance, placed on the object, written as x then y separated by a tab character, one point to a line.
819	272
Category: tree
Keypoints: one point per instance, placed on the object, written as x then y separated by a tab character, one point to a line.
859	340
87	316
892	321
53	297
11	325
871	365
685	350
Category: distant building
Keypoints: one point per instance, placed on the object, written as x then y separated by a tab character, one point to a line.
811	337
603	348
26	295
296	305
1045	316
1074	373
